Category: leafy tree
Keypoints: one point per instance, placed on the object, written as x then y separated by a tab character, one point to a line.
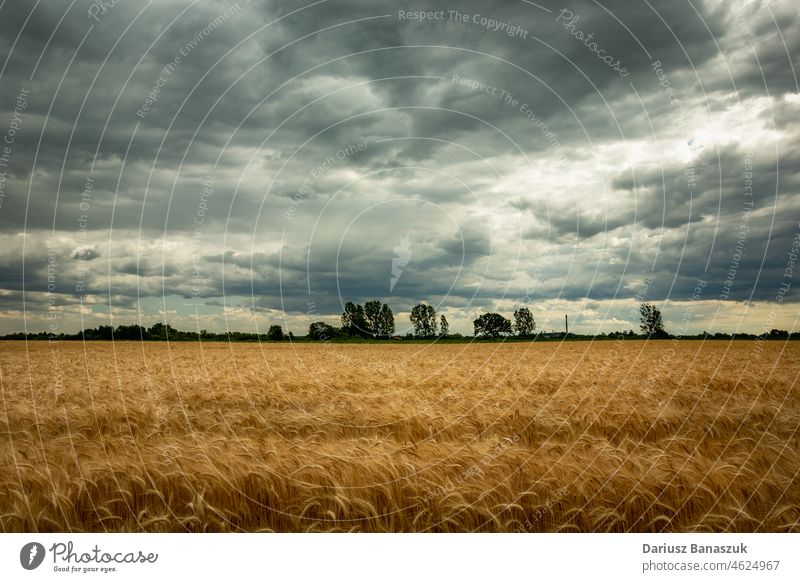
492	325
275	333
348	315
372	315
423	317
319	330
386	321
652	325
354	321
444	327
524	324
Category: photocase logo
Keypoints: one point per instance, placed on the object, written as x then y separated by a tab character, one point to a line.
31	555
402	254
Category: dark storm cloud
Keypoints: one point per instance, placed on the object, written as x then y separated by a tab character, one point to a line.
189	149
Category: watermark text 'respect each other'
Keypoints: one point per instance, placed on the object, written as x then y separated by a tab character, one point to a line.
315	174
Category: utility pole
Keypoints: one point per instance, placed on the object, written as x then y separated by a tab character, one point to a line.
566	324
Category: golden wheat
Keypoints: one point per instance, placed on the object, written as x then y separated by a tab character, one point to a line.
603	436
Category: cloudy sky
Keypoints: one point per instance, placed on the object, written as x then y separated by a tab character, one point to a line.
230	165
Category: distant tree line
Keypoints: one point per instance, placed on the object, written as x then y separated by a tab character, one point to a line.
156	332
375	320
494	325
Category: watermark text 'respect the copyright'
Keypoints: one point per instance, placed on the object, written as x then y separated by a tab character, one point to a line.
491	24
8	139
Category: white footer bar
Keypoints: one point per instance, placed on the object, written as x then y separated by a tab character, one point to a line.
383	557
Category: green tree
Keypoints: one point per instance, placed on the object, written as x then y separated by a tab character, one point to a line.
423	317
652	325
492	325
275	333
321	331
372	315
354	321
524	324
444	327
386	321
348	315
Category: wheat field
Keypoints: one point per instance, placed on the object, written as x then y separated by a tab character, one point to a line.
584	436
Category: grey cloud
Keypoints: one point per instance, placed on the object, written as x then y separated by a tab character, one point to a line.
86	253
148	219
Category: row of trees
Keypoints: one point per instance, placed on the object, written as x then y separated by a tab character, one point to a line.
376	320
493	325
156	332
371	320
